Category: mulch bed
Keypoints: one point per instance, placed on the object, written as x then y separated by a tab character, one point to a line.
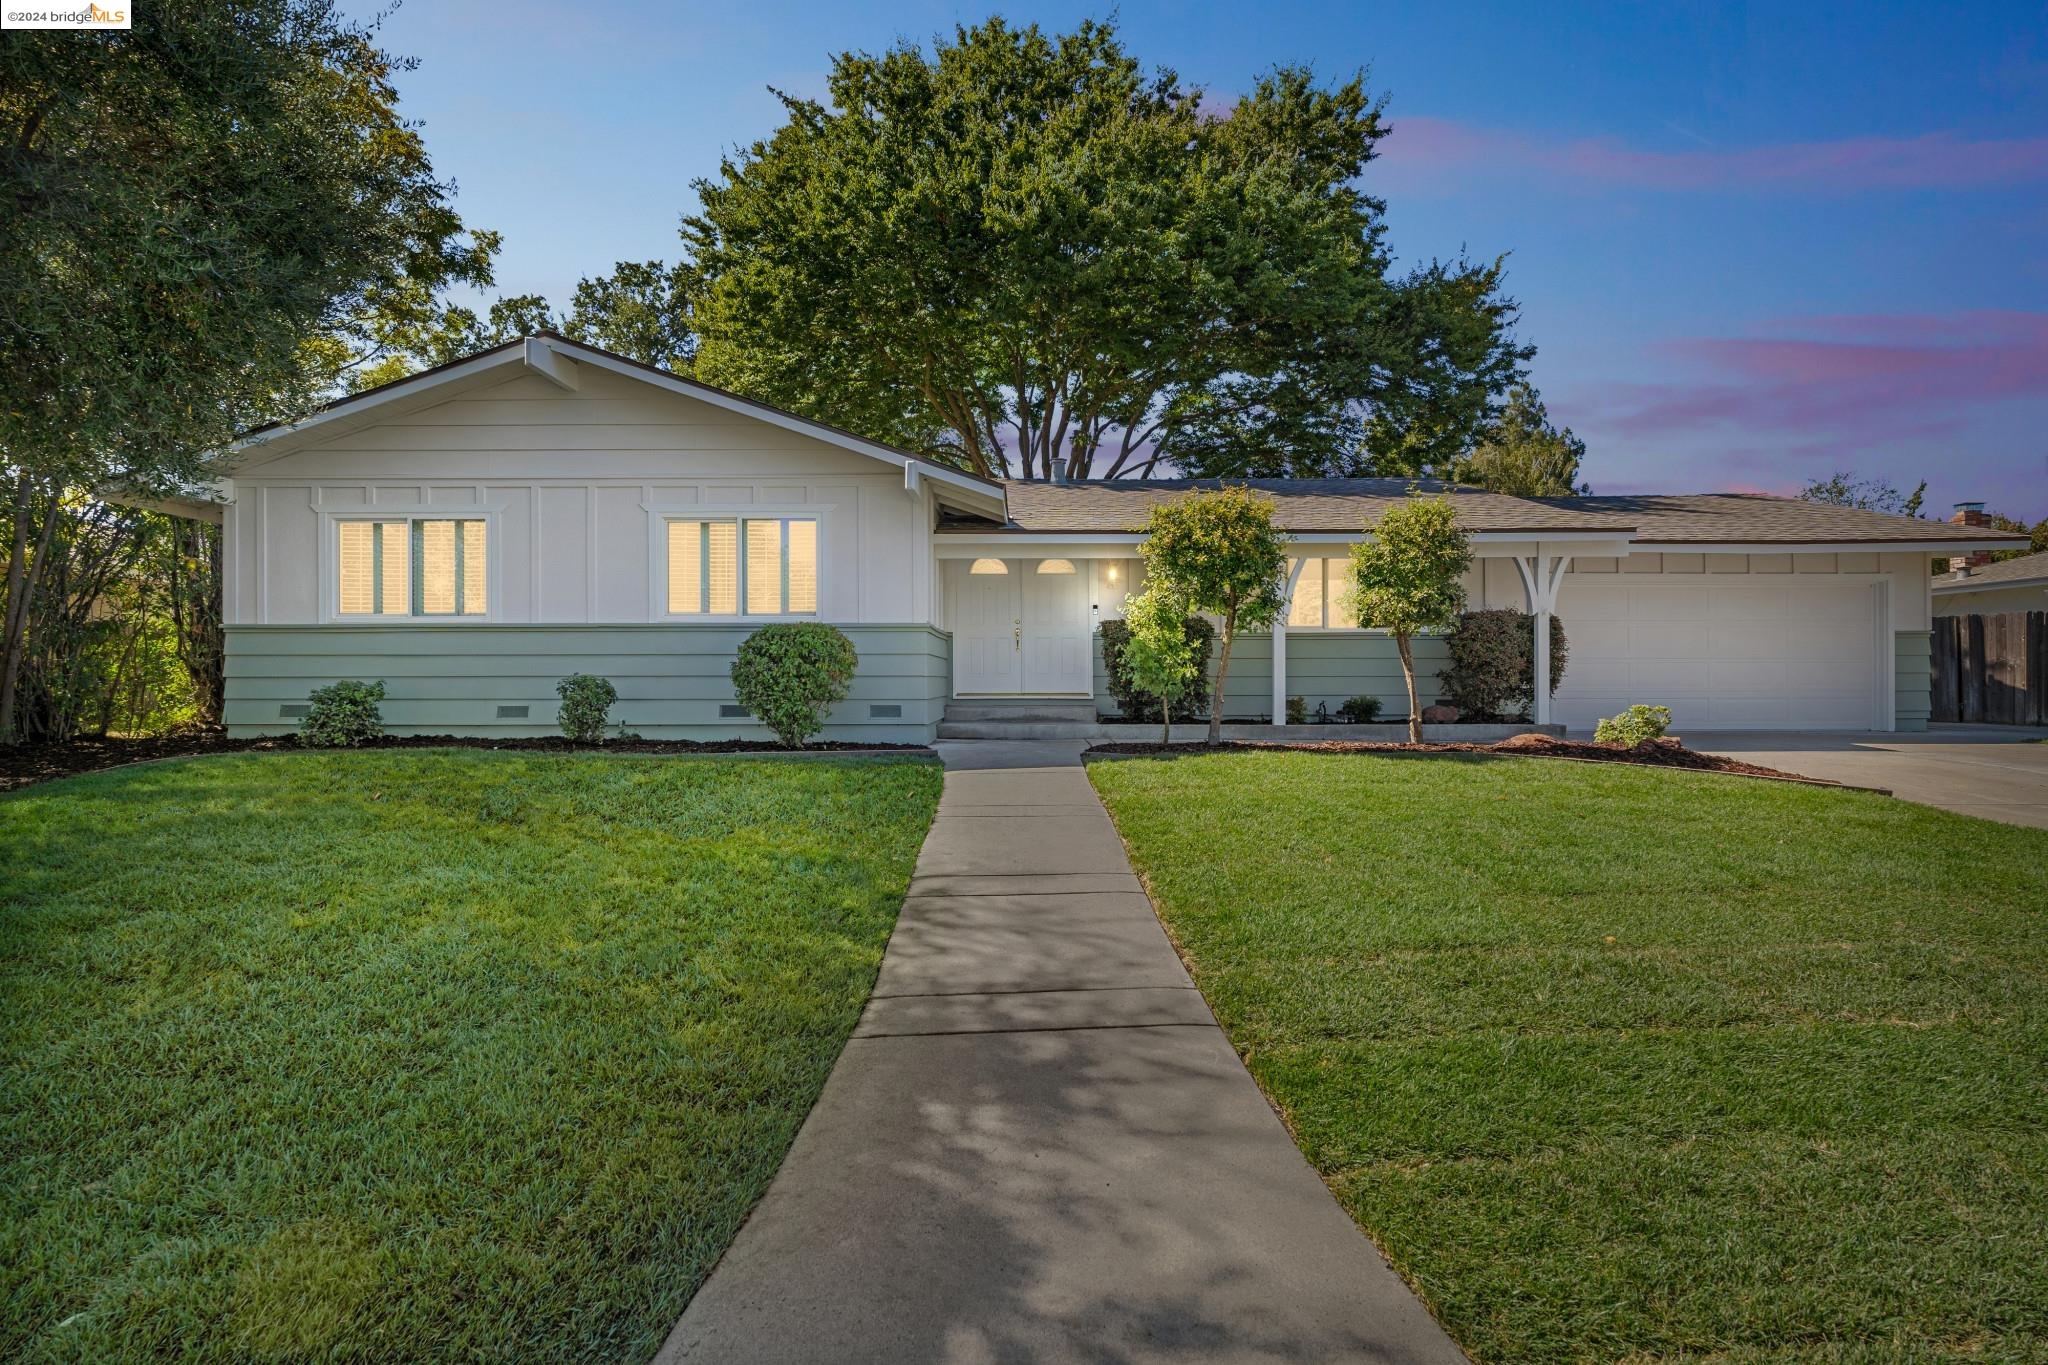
23	765
1660	753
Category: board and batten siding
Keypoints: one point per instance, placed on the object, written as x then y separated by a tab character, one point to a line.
574	486
673	680
1913	685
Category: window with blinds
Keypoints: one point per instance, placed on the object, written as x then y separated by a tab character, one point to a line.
1322	597
769	563
418	567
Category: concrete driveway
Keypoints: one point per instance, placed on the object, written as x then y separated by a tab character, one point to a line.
1998	772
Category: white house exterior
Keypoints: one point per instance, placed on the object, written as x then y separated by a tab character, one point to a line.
473	534
1992	589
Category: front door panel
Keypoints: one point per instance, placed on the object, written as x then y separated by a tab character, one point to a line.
986	622
1057	657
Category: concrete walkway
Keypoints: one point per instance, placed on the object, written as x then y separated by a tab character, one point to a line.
1038	1146
1993	771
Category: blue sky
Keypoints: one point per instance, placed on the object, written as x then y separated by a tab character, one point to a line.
1753	243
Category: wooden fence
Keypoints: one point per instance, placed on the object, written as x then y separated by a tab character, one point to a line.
1992	668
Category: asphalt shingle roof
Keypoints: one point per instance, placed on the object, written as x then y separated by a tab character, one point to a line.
2021	570
1345	506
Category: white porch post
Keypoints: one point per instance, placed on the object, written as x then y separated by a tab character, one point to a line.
1280	643
1542	575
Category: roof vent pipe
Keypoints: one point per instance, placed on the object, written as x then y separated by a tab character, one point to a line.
1059	469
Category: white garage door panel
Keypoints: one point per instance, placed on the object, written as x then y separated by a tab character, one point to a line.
1724	651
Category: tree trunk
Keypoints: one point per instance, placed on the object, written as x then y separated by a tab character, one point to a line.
1222	676
1408	674
1166	720
22	573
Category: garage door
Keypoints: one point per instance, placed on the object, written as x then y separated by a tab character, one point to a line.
1724	652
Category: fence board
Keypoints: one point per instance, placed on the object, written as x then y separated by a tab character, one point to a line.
1991	669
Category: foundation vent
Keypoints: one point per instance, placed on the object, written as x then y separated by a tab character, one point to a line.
294	710
512	713
733	710
885	710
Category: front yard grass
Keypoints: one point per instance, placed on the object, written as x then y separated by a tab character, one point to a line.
403	1055
1628	1064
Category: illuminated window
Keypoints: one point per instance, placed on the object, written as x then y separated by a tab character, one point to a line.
1055	566
775	557
1322	596
992	566
419	567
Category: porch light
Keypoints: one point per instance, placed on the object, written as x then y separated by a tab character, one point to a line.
988	566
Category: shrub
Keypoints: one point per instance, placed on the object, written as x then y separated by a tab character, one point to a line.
1134	701
790	675
1492	660
1637	725
586	706
1297	710
343	715
1359	710
1159	653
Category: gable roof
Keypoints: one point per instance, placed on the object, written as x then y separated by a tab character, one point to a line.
1346	506
2010	573
545	354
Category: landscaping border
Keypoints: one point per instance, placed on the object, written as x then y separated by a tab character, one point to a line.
1662	753
28	765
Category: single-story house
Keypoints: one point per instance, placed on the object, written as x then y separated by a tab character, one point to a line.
1991	589
474	533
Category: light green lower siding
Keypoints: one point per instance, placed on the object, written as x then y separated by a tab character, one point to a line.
1329	667
452	679
1913	689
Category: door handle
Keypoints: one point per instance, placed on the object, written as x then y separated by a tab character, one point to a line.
1017	634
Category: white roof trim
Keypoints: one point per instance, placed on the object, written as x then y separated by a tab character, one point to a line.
548	357
1814	547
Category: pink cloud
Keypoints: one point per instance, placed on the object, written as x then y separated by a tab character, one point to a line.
1953	397
1883	375
1425	147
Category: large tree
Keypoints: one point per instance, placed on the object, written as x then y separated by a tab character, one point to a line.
1523	454
1843	489
1021	252
183	208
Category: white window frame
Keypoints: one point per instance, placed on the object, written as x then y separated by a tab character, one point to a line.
330	563
658	518
1329	603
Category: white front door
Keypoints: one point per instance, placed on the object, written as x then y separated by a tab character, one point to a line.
988	622
1057	657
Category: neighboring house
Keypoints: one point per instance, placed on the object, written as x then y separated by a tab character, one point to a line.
472	534
1988	589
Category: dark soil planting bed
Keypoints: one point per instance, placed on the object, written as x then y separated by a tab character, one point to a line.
23	765
1663	753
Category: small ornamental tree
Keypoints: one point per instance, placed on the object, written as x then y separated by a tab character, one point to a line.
1408	579
1159	654
790	675
1219	552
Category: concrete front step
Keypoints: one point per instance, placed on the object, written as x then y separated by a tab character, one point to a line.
1095	732
1022	710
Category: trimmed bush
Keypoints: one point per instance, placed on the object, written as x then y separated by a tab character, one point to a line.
1137	704
790	675
1638	725
343	715
1493	654
587	702
1359	711
1297	710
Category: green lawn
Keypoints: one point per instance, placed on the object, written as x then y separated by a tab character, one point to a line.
1619	1063
428	1054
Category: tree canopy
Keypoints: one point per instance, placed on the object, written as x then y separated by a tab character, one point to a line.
1220	552
1843	489
1409	577
1021	251
1522	454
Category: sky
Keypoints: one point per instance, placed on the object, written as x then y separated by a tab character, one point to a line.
1753	244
